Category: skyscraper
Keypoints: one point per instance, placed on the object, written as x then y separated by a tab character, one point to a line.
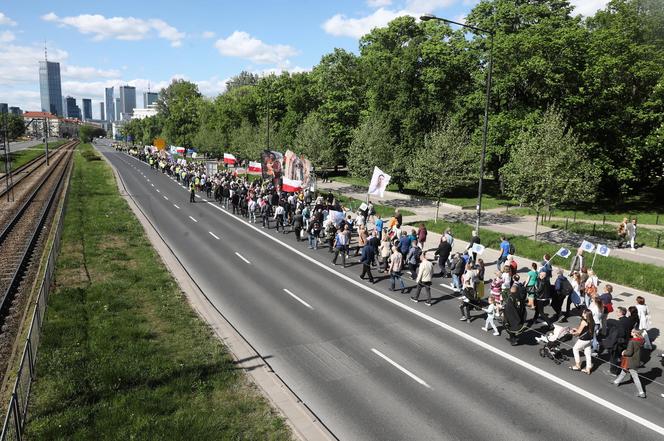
73	111
110	104
4	108
50	87
101	111
127	101
87	109
149	98
117	109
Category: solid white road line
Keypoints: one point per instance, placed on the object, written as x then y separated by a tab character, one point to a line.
158	191
242	257
401	368
193	219
213	235
152	185
499	352
176	206
165	198
298	299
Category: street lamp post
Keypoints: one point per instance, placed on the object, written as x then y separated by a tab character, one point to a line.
486	107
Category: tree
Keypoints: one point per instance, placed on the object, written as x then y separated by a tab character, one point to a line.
88	132
372	145
548	167
178	105
445	161
15	126
313	141
244	78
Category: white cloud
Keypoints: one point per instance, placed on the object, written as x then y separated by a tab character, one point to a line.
428	5
7	36
208	34
378	3
342	26
4	20
119	28
241	44
588	8
86	73
20	63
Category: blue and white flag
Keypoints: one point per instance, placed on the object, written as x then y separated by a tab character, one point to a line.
603	250
587	246
477	248
563	252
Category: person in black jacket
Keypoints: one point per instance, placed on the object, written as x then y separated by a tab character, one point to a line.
473	240
542	296
366	258
562	288
457	271
443	254
298	222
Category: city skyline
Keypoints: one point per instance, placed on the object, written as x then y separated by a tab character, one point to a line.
123	43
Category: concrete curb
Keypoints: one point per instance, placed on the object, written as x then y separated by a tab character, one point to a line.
304	424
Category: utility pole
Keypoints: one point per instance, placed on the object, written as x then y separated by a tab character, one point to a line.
8	166
46	137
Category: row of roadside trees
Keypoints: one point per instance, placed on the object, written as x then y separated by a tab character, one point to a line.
576	112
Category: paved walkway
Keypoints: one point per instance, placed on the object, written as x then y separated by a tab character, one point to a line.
424	209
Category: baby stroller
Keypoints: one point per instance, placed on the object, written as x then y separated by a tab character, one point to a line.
551	348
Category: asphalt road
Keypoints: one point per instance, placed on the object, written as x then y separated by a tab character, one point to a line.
371	364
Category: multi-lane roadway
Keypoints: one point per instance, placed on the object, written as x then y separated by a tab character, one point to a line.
368	362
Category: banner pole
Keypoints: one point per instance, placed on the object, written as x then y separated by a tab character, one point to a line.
593	262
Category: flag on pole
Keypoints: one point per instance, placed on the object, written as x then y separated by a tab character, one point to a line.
336	216
291	185
179	150
229	159
255	168
563	252
587	246
477	248
603	250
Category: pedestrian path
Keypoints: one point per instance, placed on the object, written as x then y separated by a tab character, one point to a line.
494	220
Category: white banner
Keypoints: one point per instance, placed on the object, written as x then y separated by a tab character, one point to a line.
379	182
477	248
563	252
603	250
587	246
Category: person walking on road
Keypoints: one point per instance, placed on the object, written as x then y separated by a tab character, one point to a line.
396	264
504	252
422	235
279	217
298	222
340	243
457	271
577	262
413	258
366	258
424	276
584	334
192	192
443	254
630	362
475	239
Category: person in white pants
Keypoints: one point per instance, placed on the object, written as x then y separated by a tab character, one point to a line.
584	332
490	315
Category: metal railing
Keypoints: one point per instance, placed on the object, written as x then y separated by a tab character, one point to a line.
16	416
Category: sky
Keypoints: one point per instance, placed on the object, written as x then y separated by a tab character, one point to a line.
147	43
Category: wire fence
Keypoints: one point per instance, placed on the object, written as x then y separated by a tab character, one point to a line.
17	411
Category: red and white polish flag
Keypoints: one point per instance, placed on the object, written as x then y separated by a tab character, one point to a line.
255	168
291	185
229	159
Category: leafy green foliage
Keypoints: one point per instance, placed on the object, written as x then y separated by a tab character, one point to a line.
88	132
15	126
313	141
445	161
547	166
372	146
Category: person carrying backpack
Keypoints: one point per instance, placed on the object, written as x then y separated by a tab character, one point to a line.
413	259
505	248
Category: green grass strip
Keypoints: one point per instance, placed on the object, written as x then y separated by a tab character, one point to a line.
123	356
646	277
385	211
646	236
24	156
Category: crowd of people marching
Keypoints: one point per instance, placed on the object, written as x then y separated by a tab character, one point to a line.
398	252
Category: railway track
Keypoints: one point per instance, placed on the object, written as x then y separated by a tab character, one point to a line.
23	171
20	239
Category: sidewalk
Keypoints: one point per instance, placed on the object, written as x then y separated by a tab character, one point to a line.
510	225
495	220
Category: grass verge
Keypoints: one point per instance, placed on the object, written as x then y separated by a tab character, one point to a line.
24	156
122	355
644	217
646	277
